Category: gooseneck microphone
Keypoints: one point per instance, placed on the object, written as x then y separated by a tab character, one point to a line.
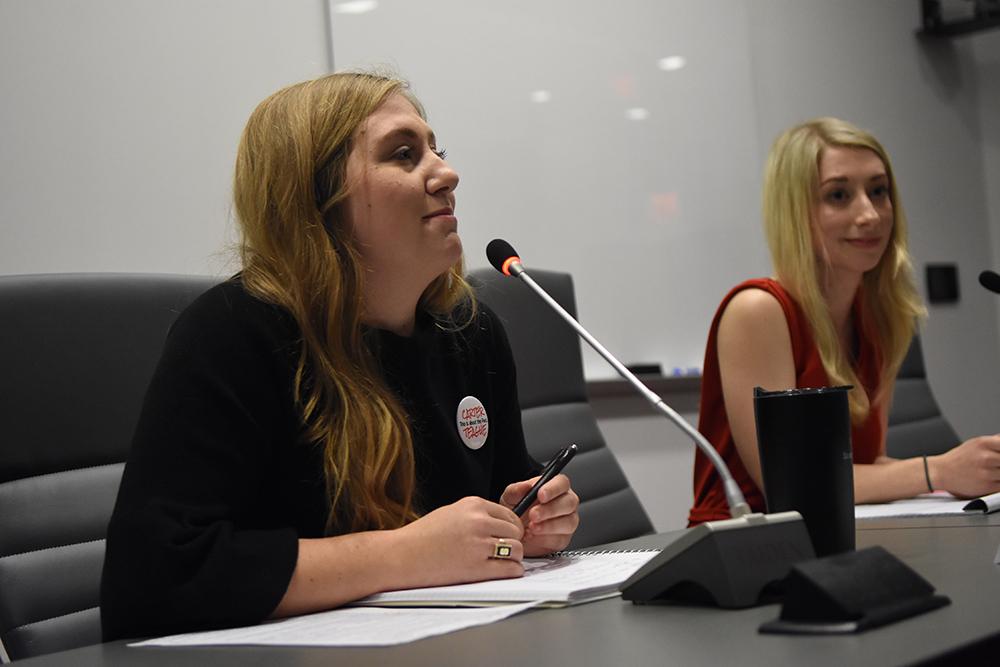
732	560
505	260
990	280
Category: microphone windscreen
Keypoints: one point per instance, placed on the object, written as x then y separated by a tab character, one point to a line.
498	252
990	280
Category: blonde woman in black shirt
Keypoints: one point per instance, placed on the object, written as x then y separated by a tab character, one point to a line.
341	417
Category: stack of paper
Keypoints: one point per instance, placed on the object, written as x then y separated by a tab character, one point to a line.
564	579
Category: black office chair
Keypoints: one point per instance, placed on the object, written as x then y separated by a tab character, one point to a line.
554	406
916	425
76	354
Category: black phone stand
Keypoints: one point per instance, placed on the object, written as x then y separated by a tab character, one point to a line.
852	592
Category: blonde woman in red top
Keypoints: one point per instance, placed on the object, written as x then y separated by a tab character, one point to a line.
841	309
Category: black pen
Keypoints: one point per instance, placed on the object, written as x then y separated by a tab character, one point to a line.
553	468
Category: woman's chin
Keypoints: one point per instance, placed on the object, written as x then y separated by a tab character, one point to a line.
453	247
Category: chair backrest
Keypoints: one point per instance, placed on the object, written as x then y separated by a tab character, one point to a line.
554	406
76	352
916	425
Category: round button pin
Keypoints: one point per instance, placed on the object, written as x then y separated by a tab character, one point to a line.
473	422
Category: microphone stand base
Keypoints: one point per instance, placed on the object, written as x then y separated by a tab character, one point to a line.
727	563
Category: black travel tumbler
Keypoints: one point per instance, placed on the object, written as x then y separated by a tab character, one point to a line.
804	440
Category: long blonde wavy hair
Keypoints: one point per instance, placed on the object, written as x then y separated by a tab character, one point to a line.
890	302
298	253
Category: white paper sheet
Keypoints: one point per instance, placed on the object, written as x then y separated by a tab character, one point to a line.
939	503
355	626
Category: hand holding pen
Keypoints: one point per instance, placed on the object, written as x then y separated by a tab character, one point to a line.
547	507
551	469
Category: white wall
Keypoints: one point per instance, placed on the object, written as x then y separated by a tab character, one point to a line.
119	124
654	214
986	54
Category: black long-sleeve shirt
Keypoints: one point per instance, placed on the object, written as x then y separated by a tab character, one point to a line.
220	484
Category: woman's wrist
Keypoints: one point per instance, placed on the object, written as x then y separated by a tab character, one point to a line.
394	549
934	473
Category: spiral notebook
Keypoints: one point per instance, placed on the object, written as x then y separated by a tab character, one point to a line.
566	578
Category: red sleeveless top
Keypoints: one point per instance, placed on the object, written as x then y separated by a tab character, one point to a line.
866	438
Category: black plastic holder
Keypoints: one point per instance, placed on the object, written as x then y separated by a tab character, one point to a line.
852	592
725	563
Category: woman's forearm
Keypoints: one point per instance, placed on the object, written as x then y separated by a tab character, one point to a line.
333	571
889	479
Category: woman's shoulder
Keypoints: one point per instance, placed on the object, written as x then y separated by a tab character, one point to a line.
227	316
231	301
753	310
756	297
759	287
754	332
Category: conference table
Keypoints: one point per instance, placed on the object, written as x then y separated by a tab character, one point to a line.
955	554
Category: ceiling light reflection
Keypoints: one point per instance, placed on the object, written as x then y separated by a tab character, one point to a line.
541	96
671	63
355	6
637	113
